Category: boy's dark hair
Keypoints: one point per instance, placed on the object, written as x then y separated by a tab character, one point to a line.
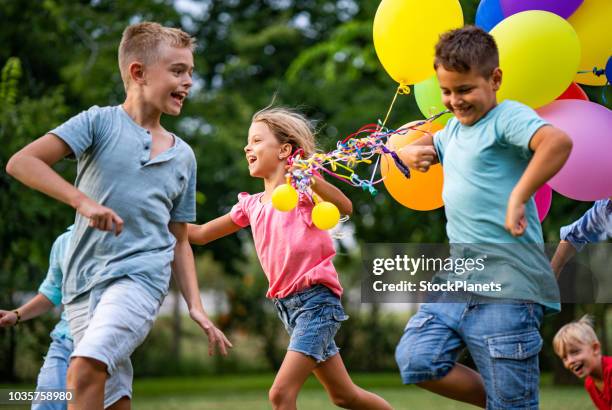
467	48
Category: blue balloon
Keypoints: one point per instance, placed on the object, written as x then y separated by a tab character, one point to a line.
488	14
609	70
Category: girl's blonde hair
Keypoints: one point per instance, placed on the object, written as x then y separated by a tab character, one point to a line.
289	127
578	332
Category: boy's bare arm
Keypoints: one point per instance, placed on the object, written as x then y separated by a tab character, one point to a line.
183	269
32	166
551	148
565	251
36	306
212	230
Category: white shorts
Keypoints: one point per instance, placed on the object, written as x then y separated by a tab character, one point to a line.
108	323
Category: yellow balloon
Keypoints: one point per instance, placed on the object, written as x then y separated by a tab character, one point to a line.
284	198
325	215
592	21
538	54
423	191
406	32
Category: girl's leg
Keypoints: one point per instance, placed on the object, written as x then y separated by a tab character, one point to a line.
341	389
461	383
294	371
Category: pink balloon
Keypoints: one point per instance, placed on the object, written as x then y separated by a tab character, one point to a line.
543	198
587	174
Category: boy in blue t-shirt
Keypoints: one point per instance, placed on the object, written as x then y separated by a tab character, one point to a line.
495	157
52	375
134	195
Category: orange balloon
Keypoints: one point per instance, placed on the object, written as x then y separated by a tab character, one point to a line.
423	191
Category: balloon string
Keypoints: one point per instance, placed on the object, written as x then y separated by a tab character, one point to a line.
401	89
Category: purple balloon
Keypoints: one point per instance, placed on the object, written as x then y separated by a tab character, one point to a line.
563	8
587	174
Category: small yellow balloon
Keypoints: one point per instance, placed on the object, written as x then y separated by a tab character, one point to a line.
284	198
592	22
325	215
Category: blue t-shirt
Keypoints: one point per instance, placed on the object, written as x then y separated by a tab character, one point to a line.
51	287
115	170
482	164
594	226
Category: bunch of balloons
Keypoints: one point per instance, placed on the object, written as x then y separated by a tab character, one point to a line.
368	143
546	47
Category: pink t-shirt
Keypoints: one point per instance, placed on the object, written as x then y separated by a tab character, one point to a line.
294	254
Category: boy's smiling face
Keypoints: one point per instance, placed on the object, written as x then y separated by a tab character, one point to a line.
169	79
581	358
469	96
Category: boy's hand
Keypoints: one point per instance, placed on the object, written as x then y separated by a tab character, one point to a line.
215	336
419	157
516	223
7	318
100	217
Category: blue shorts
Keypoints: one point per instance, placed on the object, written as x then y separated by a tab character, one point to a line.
502	337
52	375
312	317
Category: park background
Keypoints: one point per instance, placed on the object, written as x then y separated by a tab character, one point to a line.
59	58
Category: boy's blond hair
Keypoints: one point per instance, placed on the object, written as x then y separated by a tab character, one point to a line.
289	127
141	41
578	332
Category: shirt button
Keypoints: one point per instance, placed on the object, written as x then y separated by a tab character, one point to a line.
147	146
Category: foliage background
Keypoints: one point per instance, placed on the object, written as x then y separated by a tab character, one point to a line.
59	57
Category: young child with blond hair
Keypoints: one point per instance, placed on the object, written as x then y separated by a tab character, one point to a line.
296	257
578	347
133	195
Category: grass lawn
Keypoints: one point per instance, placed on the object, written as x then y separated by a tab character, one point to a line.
241	392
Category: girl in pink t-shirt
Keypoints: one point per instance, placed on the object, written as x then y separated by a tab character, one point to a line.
297	259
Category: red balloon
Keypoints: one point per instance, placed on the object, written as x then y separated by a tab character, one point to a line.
573	92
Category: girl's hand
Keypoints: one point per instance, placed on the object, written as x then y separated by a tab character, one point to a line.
7	318
215	336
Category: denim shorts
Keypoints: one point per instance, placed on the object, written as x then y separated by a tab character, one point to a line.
502	337
312	317
52	375
108	323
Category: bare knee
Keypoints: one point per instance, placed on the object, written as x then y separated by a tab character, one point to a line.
84	372
280	397
344	398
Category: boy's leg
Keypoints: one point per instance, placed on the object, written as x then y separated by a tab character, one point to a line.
86	377
294	371
120	316
52	375
343	392
428	351
462	384
504	341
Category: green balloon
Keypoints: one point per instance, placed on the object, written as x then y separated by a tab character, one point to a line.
429	99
